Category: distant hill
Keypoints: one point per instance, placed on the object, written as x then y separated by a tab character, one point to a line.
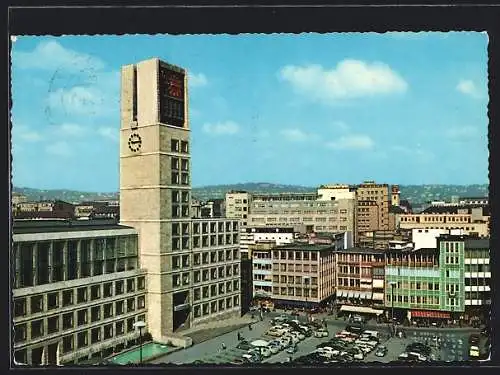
416	194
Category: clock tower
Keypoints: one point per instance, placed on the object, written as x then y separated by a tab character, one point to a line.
155	188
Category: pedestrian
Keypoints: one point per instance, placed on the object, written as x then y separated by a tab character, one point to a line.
239	336
250	326
223	346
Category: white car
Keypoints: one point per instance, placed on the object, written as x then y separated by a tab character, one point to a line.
328	351
275	346
285	341
321	333
293	338
359	355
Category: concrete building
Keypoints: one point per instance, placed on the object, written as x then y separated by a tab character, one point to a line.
303	211
477	278
378	194
77	290
45	209
303	275
336	192
471	226
359	280
367	218
192	264
428	283
254	235
238	205
262	269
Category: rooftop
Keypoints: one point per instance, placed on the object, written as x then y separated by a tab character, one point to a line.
477	243
306	247
45	226
362	250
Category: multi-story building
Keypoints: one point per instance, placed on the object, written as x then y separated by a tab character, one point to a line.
359	279
477	278
192	264
262	269
238	205
303	275
77	290
253	235
303	211
427	282
46	209
367	219
378	194
336	192
471	226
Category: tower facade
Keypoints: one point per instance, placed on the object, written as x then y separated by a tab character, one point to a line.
155	190
192	265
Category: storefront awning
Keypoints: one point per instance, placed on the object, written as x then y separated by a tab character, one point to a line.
356	294
430	314
350	294
360	309
378	296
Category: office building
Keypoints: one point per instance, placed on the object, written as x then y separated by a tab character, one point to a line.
303	275
474	224
238	205
77	291
192	265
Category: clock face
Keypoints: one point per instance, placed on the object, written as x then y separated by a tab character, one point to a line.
134	142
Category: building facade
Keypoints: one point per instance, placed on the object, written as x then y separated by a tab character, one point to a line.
359	278
303	275
477	278
77	291
303	212
463	221
238	205
378	194
155	199
428	282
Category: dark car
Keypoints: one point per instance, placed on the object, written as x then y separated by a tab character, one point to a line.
485	331
244	345
419	348
474	339
354	328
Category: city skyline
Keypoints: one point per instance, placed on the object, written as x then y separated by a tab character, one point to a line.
259	104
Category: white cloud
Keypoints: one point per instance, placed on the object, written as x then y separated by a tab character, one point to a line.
108	132
73	130
197	80
51	55
412	152
30	136
349	79
340	125
295	135
60	148
352	142
468	87
228	127
461	133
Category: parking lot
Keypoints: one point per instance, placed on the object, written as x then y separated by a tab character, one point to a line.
445	345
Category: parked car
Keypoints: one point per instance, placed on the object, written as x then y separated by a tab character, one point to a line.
238	361
293	338
474	339
321	333
485	331
252	358
276	331
299	334
474	352
359	355
292	349
275	346
328	351
420	348
263	351
285	342
381	351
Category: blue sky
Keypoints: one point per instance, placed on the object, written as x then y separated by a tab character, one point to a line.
299	109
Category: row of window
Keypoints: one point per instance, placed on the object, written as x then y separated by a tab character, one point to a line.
179	146
295	280
369	258
216	306
215	257
54	300
424	300
477	268
298	292
215	240
220	226
295	255
285	267
215	290
67	321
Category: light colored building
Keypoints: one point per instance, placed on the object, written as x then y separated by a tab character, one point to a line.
359	280
463	221
336	192
238	206
192	264
303	212
77	290
303	275
378	194
395	195
262	269
254	235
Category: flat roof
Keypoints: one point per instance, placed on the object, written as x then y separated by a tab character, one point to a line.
362	250
305	247
45	226
477	243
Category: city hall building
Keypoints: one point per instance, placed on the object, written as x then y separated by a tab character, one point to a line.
192	265
77	291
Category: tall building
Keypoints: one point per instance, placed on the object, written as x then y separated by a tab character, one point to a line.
77	290
238	205
155	198
395	195
378	194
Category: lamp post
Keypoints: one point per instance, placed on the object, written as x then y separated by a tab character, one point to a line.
140	325
392	284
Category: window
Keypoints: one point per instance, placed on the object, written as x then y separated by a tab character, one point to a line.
36	304
67	296
108	310
95	314
20	307
36	328
141	302
108	331
119	308
141	283
184	147
120	328
81	317
95	292
68	321
95	335
119	287
81	295
174	145
108	290
20	332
